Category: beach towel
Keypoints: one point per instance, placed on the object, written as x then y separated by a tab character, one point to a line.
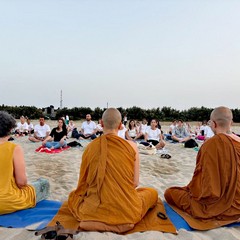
150	221
47	150
42	213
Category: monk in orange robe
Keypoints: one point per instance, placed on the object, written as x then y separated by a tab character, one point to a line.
213	194
106	198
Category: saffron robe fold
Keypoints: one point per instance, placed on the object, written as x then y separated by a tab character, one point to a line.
105	190
213	194
12	198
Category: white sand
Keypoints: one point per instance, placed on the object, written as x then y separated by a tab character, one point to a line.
62	170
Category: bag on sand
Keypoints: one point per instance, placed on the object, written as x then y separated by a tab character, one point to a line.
191	143
74	144
147	150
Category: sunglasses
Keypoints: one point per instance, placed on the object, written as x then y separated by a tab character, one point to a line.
57	232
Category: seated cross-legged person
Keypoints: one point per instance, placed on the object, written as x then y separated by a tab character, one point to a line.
57	137
180	133
22	127
88	128
213	194
208	133
30	126
122	131
41	131
142	129
154	135
70	127
132	131
15	193
106	198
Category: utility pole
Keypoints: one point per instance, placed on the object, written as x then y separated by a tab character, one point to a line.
61	100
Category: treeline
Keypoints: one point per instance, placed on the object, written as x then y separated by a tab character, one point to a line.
162	114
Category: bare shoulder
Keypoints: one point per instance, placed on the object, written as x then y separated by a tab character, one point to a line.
18	150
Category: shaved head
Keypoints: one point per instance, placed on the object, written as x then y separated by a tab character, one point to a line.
111	118
222	116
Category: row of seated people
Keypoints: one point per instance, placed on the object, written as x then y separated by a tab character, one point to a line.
212	194
178	132
202	131
138	131
24	127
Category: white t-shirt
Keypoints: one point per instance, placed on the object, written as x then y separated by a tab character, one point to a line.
203	128
88	127
172	127
144	128
121	132
153	134
208	132
132	133
30	127
22	127
99	127
41	131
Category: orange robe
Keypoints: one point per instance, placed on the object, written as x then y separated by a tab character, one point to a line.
213	194
105	191
12	198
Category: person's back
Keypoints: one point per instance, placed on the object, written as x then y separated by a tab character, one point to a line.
15	193
12	198
213	193
109	174
119	178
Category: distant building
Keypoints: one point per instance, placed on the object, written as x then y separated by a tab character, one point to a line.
49	111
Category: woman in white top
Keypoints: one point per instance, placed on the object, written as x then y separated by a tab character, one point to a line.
153	134
132	131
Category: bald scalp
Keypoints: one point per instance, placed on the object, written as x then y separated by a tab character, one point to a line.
222	115
111	118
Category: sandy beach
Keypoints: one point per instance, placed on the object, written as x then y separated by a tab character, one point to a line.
62	170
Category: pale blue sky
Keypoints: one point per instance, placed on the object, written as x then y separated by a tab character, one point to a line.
179	54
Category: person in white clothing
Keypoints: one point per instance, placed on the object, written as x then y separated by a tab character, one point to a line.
99	131
22	127
30	126
41	131
132	130
142	129
203	127
153	135
208	133
122	131
172	126
70	128
88	128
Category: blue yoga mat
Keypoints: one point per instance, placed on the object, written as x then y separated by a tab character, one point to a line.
176	219
47	209
179	222
43	212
